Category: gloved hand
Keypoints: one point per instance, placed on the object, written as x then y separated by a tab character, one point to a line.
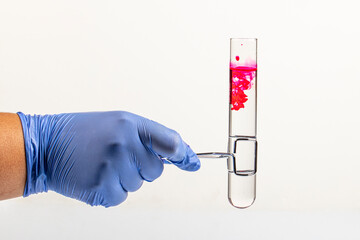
98	157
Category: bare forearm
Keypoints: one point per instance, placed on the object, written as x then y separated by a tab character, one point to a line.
12	157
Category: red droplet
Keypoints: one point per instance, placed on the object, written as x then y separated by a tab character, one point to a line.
241	44
237	58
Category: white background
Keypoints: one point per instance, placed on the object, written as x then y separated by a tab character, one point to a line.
168	61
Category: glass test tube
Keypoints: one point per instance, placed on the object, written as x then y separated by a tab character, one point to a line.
242	144
242	122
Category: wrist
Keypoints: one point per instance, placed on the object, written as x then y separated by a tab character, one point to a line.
36	137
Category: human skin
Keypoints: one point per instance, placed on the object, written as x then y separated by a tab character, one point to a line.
12	157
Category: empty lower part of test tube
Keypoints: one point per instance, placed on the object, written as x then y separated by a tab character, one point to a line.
241	170
242	167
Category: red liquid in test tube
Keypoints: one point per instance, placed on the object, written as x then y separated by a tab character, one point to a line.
242	80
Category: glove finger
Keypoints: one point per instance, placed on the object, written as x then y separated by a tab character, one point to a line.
111	190
190	162
168	143
113	194
129	176
150	166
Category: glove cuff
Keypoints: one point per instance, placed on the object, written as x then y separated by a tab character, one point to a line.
35	152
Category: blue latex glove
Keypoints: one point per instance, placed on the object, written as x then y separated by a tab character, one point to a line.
98	157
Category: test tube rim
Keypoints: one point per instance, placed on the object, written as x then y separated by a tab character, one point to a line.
244	39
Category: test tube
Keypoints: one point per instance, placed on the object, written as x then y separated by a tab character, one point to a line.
242	141
242	144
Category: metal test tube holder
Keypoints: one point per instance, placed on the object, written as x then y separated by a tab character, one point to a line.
242	144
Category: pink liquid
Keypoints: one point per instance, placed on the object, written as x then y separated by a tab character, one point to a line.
241	80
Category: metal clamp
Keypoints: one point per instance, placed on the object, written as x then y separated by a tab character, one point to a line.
226	155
